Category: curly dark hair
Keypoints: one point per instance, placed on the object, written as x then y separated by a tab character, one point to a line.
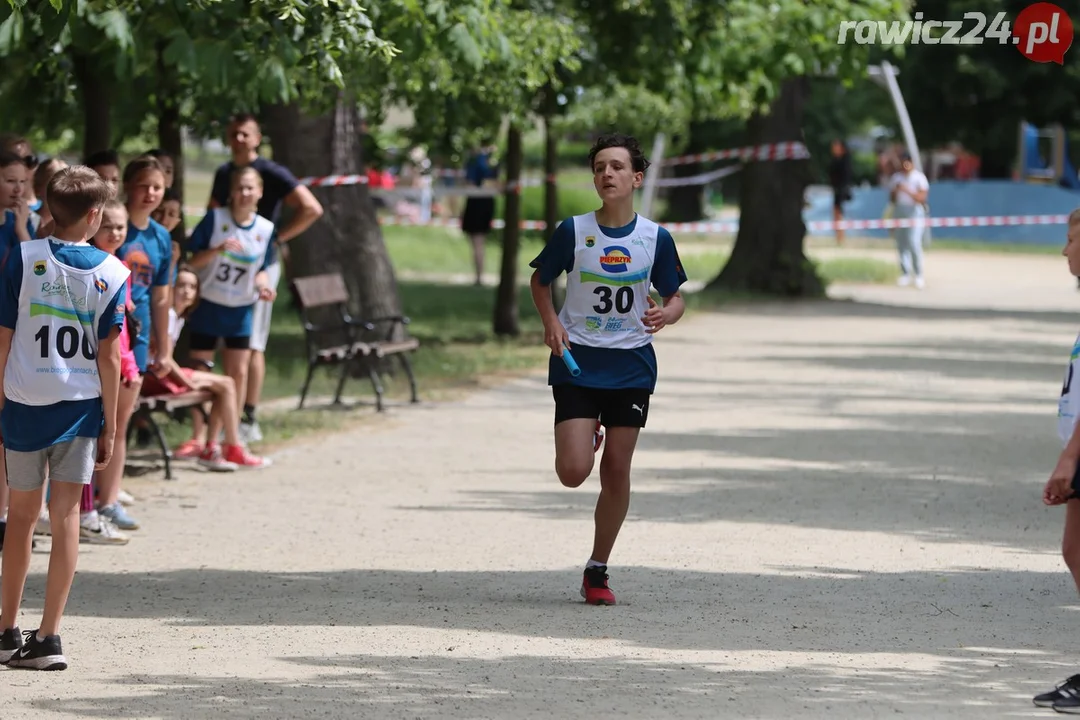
617	140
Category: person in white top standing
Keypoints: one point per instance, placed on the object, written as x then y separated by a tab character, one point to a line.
1063	487
910	189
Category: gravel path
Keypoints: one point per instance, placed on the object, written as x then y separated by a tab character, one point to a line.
836	515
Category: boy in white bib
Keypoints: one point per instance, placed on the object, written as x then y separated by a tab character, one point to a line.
61	310
611	258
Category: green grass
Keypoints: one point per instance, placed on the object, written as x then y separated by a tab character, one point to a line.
858	270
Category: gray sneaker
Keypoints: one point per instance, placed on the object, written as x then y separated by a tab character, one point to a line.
250	432
117	515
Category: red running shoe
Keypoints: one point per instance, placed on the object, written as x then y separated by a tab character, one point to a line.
594	587
239	455
598	437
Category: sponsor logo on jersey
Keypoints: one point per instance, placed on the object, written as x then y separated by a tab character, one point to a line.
615	259
590	240
70	289
39	267
101	285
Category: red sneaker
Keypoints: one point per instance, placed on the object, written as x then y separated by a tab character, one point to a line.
239	455
598	437
189	449
594	587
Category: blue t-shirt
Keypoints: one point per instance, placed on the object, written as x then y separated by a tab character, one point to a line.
479	169
278	183
8	238
609	368
213	319
148	254
31	428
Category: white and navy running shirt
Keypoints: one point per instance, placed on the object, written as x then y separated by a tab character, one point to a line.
60	299
1069	404
609	274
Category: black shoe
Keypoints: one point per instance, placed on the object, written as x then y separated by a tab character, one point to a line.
10	642
39	654
1063	691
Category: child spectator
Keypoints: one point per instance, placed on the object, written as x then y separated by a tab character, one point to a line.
21	147
231	250
224	411
106	163
147	252
15	223
168	216
42	176
109	239
167	167
61	308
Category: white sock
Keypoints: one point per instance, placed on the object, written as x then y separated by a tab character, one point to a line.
592	564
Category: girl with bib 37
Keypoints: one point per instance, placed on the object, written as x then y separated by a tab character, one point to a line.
230	249
611	257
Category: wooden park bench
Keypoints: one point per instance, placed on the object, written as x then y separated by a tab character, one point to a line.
335	338
168	405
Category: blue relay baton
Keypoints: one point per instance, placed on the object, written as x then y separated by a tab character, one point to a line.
571	363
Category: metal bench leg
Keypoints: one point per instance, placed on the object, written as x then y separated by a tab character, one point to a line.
407	366
307	383
166	453
346	366
376	385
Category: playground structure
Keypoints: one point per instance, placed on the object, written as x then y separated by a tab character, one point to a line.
1043	156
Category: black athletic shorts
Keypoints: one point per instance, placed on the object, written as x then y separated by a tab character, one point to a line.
625	407
201	342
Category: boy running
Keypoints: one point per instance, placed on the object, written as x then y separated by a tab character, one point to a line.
61	309
610	257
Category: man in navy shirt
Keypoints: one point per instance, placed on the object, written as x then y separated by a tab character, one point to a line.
280	187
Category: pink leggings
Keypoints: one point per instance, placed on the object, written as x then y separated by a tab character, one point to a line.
87	502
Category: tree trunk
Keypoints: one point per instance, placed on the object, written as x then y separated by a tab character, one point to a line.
348	238
551	195
94	93
506	298
685	202
170	135
768	256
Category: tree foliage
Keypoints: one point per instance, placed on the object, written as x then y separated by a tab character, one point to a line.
978	94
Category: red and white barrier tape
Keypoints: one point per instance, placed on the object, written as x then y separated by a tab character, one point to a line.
762	153
731	226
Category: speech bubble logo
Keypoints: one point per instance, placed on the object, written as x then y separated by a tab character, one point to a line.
1043	33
